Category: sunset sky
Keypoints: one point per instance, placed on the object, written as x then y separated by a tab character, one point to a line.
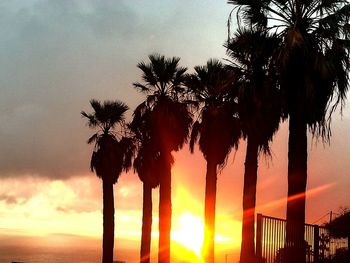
57	55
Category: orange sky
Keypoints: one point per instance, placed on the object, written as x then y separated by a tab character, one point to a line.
58	55
45	208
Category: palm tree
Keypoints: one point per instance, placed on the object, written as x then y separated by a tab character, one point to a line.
259	112
107	161
170	124
218	131
313	64
146	164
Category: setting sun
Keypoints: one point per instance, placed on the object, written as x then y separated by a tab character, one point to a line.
189	232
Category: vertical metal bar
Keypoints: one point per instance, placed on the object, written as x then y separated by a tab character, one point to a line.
270	238
282	237
276	240
265	237
269	241
316	243
280	233
277	237
306	238
259	236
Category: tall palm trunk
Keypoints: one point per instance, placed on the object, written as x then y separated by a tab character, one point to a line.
249	199
209	212
348	247
108	222
146	224
297	178
164	214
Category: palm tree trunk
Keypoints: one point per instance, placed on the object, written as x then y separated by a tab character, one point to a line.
108	222
297	179
348	256
209	212
146	224
164	215
249	199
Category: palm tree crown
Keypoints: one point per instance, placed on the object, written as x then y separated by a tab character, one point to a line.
146	159
217	127
163	83
259	106
313	59
108	157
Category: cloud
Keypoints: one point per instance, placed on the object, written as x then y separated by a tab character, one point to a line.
36	206
9	199
55	56
84	207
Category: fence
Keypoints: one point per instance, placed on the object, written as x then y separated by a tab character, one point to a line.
271	237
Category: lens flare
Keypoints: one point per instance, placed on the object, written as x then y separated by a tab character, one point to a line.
189	232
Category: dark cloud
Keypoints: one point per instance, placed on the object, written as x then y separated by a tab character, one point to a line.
57	55
11	200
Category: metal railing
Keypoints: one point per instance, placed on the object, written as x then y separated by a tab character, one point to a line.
271	240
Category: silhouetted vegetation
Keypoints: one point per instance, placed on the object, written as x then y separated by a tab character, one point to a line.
340	226
147	165
288	59
107	161
312	65
259	110
218	130
170	123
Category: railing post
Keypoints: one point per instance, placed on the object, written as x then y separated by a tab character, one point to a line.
316	243
258	238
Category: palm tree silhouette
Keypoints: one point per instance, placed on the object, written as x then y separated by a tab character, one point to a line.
170	124
259	110
147	165
107	161
313	64
217	131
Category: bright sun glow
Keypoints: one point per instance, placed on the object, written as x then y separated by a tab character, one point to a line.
189	232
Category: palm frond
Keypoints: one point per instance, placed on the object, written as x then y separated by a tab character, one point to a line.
93	138
140	87
194	135
96	105
128	147
148	75
92	123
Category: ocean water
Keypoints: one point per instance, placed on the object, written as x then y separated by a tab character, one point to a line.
31	254
9	254
35	254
